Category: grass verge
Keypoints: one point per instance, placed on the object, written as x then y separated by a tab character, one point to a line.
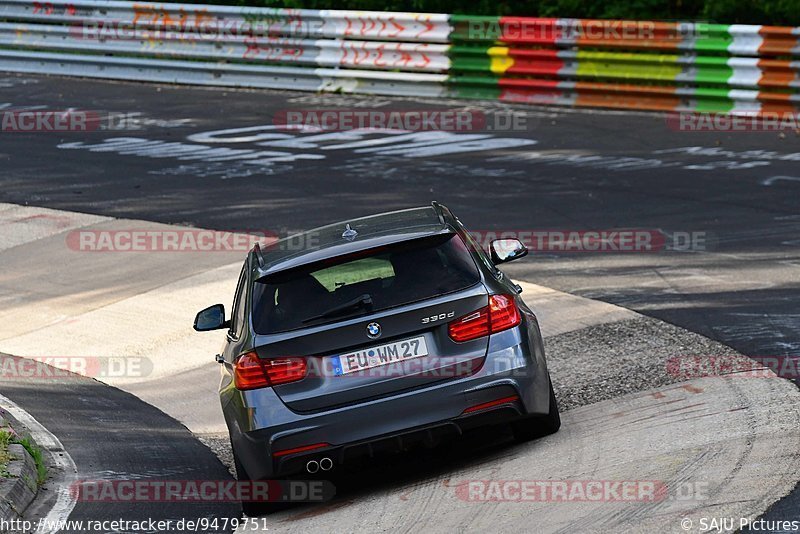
7	437
38	458
5	440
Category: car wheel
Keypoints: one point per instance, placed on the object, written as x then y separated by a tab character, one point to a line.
538	426
250	509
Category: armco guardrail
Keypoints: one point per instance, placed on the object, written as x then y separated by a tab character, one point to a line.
617	64
627	64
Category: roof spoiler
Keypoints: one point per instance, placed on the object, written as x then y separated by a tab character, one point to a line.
259	256
439	209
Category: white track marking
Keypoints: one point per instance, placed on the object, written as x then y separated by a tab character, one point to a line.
772	179
65	500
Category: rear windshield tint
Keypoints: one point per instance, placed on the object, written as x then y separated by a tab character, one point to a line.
362	283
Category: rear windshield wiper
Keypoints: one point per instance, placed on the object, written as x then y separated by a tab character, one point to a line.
364	301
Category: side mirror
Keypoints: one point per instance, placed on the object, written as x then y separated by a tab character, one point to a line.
212	318
505	250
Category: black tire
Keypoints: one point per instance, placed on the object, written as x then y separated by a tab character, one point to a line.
251	509
538	426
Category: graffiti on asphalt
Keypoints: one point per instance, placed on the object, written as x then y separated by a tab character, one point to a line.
263	147
720	159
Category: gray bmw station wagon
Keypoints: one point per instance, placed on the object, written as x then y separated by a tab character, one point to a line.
371	335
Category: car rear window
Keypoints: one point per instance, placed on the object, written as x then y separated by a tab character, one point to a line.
389	276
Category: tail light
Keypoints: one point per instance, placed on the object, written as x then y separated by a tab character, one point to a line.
251	372
471	326
501	314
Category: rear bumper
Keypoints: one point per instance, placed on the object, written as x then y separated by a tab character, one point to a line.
260	424
426	436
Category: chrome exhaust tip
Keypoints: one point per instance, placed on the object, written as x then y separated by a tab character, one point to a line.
326	464
312	466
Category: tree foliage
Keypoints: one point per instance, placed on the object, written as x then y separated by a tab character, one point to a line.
775	12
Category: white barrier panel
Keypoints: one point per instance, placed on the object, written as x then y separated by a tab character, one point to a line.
300	23
222	74
129	40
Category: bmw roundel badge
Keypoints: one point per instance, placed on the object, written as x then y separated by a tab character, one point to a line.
373	330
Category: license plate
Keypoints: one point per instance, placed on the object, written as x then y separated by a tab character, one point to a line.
377	356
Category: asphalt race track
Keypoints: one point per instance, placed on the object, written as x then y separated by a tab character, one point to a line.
110	435
738	193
